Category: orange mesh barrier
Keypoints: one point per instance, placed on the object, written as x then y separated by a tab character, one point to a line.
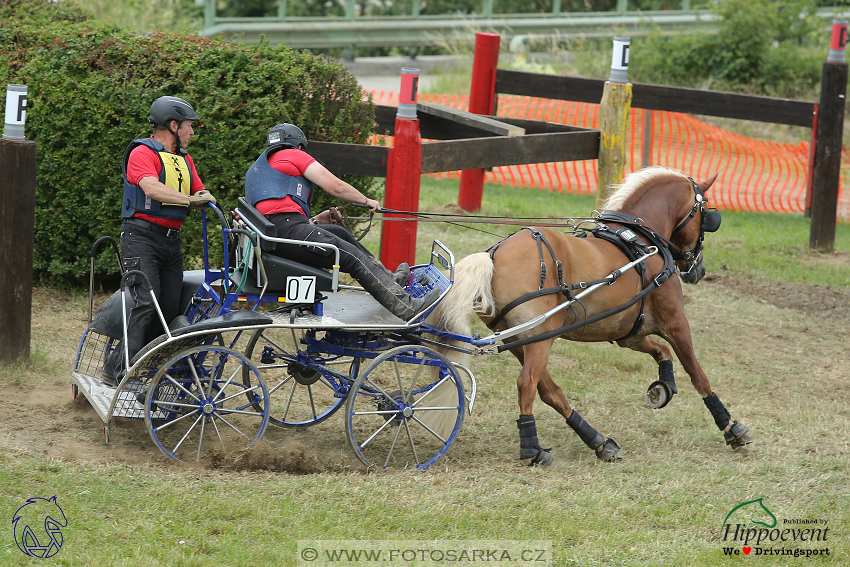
754	175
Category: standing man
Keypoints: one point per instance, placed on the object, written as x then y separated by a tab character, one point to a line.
280	185
160	183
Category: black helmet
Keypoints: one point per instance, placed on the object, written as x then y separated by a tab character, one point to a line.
286	134
167	108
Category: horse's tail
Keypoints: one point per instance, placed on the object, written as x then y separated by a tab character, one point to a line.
471	292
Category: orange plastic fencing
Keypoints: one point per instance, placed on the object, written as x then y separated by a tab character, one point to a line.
753	175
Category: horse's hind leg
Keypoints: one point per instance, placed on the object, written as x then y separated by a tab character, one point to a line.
531	358
551	394
661	391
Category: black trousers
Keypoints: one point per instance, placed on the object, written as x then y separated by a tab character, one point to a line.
160	258
354	258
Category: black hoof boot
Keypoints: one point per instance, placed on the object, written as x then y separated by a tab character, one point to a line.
530	452
661	391
737	436
543	458
609	451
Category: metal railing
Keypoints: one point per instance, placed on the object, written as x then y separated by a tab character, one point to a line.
353	30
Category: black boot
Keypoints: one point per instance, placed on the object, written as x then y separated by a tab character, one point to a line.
381	283
402	273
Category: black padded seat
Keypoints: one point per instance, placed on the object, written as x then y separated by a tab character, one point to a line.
229	320
226	321
277	267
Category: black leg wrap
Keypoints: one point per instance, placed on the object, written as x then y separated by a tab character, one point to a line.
718	411
529	447
586	433
665	374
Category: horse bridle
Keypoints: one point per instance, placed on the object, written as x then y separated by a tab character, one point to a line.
709	222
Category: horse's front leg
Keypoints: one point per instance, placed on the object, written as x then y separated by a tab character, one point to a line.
678	334
662	390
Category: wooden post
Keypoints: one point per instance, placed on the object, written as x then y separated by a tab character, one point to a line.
17	227
646	155
404	170
827	169
481	101
613	116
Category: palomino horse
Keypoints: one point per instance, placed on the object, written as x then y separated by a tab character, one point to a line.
534	271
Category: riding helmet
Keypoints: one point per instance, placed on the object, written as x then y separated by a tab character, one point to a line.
286	134
167	108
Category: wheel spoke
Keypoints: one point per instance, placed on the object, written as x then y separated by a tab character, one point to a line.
201	440
381	428
233	427
312	401
185	435
412	444
392	446
431	431
179	385
173	421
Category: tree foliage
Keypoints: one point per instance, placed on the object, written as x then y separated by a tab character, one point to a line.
772	47
90	89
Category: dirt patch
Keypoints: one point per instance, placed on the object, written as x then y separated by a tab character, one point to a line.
813	299
39	417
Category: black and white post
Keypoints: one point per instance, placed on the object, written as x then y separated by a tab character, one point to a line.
827	166
17	227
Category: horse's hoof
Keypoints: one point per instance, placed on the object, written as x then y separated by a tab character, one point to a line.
543	459
659	394
608	451
737	436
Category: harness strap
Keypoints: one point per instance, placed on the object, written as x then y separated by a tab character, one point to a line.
561	288
666	272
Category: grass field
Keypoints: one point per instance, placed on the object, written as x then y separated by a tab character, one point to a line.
781	371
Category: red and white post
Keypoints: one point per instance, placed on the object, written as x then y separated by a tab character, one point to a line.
404	168
482	98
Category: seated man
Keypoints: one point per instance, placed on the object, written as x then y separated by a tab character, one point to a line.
280	186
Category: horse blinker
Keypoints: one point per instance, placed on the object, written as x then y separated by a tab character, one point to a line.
711	220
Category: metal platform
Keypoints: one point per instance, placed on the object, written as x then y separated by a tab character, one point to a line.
349	309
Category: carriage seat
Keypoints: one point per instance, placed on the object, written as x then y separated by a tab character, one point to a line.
277	267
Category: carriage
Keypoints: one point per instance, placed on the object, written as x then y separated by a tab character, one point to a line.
265	340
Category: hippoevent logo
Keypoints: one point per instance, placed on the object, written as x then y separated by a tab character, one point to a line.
38	527
755	530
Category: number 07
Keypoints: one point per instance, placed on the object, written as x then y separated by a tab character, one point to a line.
300	289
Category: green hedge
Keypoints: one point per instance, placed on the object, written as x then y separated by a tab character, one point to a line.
90	89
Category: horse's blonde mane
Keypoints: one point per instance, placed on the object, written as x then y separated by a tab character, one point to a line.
634	180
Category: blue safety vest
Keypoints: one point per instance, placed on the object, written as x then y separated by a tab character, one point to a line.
263	182
176	173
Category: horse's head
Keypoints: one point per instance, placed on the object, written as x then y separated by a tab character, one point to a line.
675	207
688	236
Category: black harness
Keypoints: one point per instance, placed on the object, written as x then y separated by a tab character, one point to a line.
628	240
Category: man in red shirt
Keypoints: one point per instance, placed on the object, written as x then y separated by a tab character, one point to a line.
160	183
280	185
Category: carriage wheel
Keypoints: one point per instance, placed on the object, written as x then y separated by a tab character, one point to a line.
405	409
197	402
300	396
